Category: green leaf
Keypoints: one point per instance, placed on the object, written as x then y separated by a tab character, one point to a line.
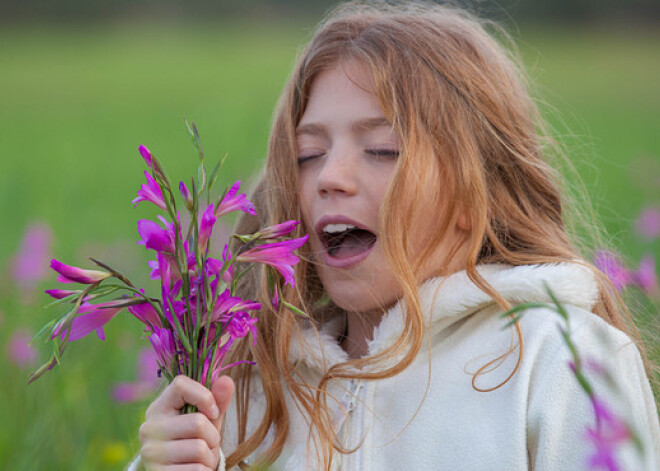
216	172
294	309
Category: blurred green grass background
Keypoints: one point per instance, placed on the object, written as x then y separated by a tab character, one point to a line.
75	103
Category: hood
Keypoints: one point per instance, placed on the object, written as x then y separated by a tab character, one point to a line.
445	300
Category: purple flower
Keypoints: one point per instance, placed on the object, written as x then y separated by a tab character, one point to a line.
154	274
224	303
206	226
146	154
275	298
93	318
19	350
155	237
645	277
62	293
30	264
150	191
610	264
69	274
163	343
278	230
146	313
279	255
239	324
146	382
185	194
648	223
607	435
232	202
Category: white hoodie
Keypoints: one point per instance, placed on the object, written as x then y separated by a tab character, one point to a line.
429	417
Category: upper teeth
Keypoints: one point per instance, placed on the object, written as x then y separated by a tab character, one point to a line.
335	228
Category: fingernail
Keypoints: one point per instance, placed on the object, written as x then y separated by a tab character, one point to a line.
215	412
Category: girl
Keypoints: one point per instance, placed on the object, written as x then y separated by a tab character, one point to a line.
407	143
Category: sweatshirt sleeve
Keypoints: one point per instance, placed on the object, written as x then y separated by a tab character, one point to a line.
560	412
137	465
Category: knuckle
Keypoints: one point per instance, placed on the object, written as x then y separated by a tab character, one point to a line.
199	448
215	438
143	432
147	452
198	423
178	383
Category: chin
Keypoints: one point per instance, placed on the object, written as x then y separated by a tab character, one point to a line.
361	299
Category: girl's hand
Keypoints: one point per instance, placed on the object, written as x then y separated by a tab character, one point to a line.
171	441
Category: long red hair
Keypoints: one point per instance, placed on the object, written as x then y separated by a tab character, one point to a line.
472	136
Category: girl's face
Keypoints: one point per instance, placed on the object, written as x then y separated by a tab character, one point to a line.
347	154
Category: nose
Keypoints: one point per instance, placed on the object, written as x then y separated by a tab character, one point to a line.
339	173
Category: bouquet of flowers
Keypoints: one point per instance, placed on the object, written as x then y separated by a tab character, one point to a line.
198	317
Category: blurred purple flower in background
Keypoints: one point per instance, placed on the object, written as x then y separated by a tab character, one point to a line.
646	278
610	264
147	379
30	264
19	351
648	223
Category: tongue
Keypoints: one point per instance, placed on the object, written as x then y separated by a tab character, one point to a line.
354	243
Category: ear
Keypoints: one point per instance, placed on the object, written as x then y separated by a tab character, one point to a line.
463	222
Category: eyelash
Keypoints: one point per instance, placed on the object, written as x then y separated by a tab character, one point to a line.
383	153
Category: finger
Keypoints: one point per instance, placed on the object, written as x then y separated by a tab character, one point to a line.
181	427
181	467
183	390
223	392
193	451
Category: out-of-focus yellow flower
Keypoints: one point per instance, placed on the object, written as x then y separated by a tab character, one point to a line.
114	453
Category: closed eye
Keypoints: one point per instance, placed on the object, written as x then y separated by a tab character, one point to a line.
302	160
383	152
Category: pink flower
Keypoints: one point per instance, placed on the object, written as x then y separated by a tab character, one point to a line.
239	324
147	379
30	264
163	343
94	317
610	264
146	154
69	274
648	223
279	255
150	191
62	293
275	298
19	350
609	433
156	238
146	313
227	304
232	202
278	230
645	277
185	194
206	226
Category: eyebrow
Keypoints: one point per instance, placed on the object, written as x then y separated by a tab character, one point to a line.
366	124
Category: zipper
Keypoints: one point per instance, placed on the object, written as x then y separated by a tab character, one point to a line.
350	402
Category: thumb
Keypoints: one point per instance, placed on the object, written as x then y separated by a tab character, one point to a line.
223	391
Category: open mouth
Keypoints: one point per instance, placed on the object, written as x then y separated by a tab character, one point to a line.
346	240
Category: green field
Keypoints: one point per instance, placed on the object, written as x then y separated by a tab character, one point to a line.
75	103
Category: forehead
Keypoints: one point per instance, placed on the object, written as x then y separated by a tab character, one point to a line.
342	95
